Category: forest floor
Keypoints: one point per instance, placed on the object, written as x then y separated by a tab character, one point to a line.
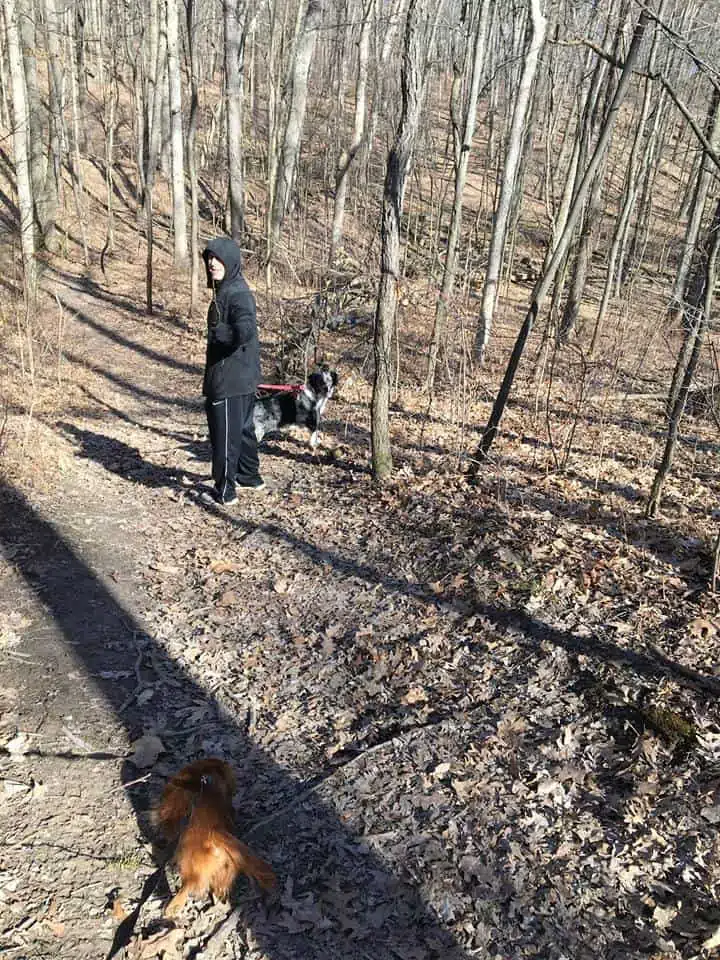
468	720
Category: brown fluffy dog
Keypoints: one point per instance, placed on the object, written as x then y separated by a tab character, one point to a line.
196	810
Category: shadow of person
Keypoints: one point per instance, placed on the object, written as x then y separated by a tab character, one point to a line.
339	899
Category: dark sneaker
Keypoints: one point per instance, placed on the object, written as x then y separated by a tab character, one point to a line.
213	498
257	484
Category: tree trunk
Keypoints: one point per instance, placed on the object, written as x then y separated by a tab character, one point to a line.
386	22
347	156
633	178
462	158
296	117
702	186
37	141
698	313
693	298
277	30
545	281
76	165
152	94
153	109
592	218
78	54
5	107
644	204
536	37
176	136
398	169
235	12
51	186
20	148
191	158
110	98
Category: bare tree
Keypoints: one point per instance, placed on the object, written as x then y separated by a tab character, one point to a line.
699	198
635	169
692	305
30	38
463	145
697	310
20	147
545	281
53	171
153	107
110	95
77	16
398	168
297	101
78	182
347	156
535	39
581	142
387	21
191	24
176	135
594	207
235	13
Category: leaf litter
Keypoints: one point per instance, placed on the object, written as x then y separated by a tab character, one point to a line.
503	690
467	694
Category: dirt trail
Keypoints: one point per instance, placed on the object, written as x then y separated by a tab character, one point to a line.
72	605
434	765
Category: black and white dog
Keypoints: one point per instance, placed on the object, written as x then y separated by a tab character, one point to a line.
303	407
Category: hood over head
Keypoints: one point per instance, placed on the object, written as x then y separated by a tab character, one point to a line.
228	253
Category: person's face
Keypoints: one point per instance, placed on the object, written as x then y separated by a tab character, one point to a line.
216	268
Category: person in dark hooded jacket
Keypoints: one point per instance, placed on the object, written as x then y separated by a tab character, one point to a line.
232	372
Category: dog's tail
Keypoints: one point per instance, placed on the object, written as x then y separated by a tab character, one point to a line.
245	861
181	792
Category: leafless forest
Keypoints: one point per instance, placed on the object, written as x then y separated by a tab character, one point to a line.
499	222
369	156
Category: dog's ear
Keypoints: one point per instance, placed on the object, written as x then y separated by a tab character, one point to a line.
334	377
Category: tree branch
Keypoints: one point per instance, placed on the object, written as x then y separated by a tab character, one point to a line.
685	43
707	147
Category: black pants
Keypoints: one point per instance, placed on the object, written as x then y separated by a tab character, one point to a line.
234	447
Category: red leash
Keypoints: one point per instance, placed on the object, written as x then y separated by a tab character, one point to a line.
281	387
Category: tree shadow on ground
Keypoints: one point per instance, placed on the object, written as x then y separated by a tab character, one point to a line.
185	441
646	429
11	287
308	844
631	528
127	386
633	494
351	433
117	173
122	459
139	348
533	631
87	285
